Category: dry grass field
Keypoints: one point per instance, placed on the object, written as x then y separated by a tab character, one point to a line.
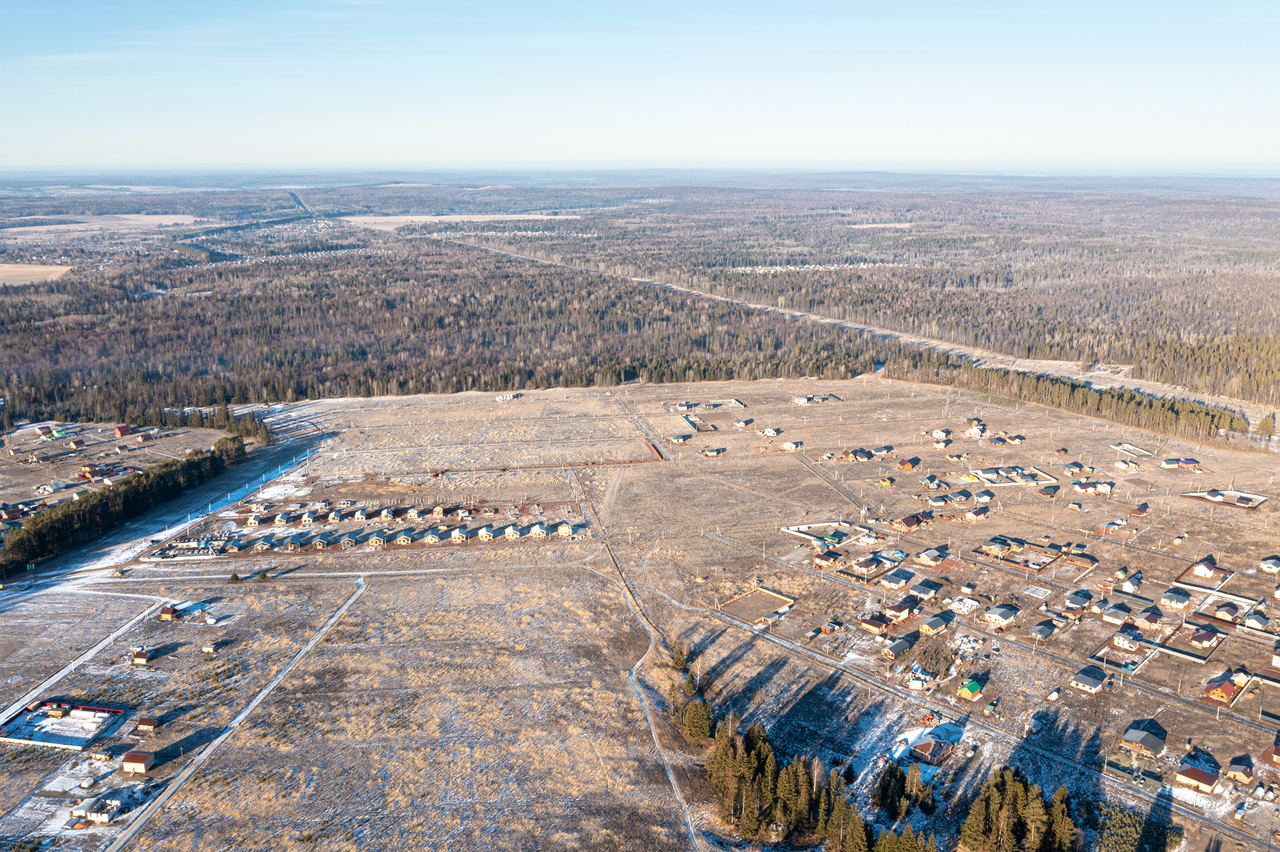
478	696
29	273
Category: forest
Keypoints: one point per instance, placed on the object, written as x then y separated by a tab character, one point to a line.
1175	282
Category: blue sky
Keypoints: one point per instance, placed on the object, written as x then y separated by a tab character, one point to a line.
1018	86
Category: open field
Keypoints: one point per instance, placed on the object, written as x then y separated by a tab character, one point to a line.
502	694
29	273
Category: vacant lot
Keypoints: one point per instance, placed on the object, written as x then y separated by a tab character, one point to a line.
28	273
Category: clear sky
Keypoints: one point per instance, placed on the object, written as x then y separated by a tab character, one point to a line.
998	86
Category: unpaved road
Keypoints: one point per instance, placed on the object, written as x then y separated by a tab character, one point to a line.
1112	376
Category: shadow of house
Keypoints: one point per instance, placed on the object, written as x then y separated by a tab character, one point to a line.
186	746
162	651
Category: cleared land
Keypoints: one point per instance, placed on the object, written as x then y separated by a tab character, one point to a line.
29	273
479	695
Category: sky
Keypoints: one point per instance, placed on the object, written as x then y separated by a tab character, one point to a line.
1016	87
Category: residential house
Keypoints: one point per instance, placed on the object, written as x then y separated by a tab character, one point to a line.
378	539
897	579
1240	769
168	613
512	533
934	626
1125	642
308	519
1148	619
971	690
254	521
565	530
897	612
405	537
348	541
1204	638
485	534
1175	598
1086	681
1270	564
1257	620
931	750
433	536
281	519
1197	779
876	625
896	649
388	514
1222	691
262	544
1042	631
1116	614
1002	616
1143	743
1078	599
459	535
335	516
414	513
538	531
361	514
122	431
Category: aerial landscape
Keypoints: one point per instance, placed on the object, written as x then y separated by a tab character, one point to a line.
629	492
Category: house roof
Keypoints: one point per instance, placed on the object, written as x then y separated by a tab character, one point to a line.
1087	680
1147	740
1197	775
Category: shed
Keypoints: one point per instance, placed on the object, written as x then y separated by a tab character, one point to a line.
168	613
139	657
147	723
138	763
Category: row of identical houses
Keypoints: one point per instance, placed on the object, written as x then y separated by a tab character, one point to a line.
381	538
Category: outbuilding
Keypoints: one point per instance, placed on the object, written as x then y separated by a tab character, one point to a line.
138	763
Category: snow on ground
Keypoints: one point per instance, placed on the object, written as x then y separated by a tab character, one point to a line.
1215	807
277	491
